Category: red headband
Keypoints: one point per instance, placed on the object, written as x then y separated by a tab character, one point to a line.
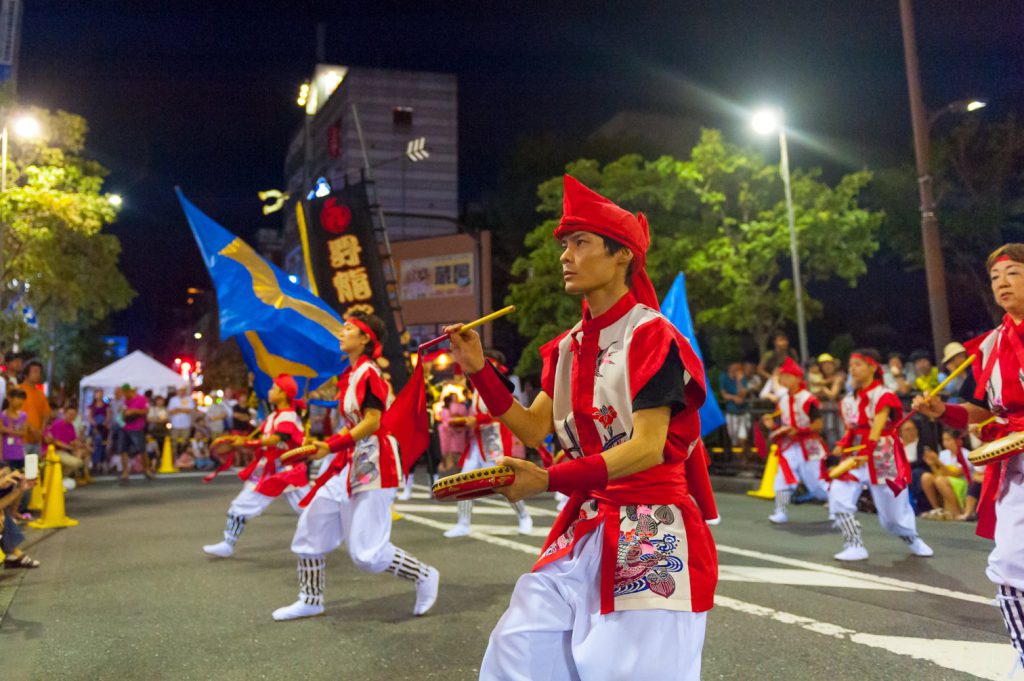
865	359
365	328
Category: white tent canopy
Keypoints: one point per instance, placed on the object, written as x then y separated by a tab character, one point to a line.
138	370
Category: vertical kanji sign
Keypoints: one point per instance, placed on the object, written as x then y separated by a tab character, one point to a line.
349	274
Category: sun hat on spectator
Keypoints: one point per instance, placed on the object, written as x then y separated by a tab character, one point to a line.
952	350
825	357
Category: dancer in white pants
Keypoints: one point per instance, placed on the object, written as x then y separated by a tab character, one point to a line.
281	431
488	441
870	413
993	388
800	445
623	584
351	500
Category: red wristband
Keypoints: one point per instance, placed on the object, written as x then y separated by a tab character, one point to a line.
339	441
492	389
578	475
955	417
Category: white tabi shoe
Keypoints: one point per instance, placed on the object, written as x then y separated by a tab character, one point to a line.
297	610
221	550
779	518
426	592
458	530
851	553
526	525
405	494
919	548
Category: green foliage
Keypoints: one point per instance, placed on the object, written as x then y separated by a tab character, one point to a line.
51	223
720	216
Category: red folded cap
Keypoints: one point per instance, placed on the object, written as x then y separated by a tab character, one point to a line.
792	368
585	210
287	385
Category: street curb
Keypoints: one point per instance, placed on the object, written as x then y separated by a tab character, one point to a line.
731	484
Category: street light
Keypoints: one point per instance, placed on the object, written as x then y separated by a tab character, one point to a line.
26	127
765	122
115	200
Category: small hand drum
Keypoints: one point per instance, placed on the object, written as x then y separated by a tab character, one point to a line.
222	444
298	455
845	466
479	483
997	449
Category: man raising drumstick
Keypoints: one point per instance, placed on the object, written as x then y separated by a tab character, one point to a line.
994	387
630	558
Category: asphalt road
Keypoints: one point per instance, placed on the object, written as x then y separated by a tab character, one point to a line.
129	595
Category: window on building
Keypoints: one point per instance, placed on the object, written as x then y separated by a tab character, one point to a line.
401	116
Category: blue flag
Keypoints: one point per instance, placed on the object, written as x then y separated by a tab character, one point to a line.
677	310
280	327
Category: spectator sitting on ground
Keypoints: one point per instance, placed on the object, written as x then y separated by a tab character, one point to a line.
897	378
926	374
73	453
945	484
13	486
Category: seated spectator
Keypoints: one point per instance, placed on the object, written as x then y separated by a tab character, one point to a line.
896	377
13	486
945	484
71	450
915	451
926	375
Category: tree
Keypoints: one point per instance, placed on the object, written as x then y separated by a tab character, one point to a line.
979	170
55	255
720	217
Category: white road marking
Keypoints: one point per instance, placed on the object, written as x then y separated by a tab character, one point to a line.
796	577
854	574
983	660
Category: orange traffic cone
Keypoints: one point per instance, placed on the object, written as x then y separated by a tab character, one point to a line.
53	506
36	501
771	467
167	459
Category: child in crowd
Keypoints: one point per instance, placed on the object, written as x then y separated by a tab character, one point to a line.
947	481
12	428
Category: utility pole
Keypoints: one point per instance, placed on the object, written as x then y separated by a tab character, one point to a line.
935	272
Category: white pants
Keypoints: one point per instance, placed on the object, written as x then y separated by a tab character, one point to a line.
807	472
895	514
362	521
553	630
475	459
1006	562
249	503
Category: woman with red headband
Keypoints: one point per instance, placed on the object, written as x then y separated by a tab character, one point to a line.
800	446
351	501
994	387
869	413
489	440
630	563
279	432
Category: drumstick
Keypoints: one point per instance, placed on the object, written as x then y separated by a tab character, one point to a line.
471	325
937	389
855	448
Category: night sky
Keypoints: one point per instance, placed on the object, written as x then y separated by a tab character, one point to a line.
203	97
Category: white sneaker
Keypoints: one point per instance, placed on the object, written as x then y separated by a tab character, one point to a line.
69	484
459	530
779	517
297	610
426	592
919	548
526	525
221	550
851	553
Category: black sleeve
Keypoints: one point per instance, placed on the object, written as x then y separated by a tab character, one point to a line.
666	387
371	401
814	412
967	389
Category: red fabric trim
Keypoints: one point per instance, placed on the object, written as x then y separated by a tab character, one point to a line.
889	399
787	472
275	485
699	481
987	503
648	349
549	360
337	465
578	475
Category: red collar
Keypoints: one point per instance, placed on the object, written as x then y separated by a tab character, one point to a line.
610	316
861	392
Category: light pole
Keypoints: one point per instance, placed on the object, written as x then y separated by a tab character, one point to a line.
766	122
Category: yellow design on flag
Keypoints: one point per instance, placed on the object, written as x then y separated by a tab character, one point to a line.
267	290
272	364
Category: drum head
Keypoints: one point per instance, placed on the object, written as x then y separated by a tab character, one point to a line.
298	455
465	486
997	449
